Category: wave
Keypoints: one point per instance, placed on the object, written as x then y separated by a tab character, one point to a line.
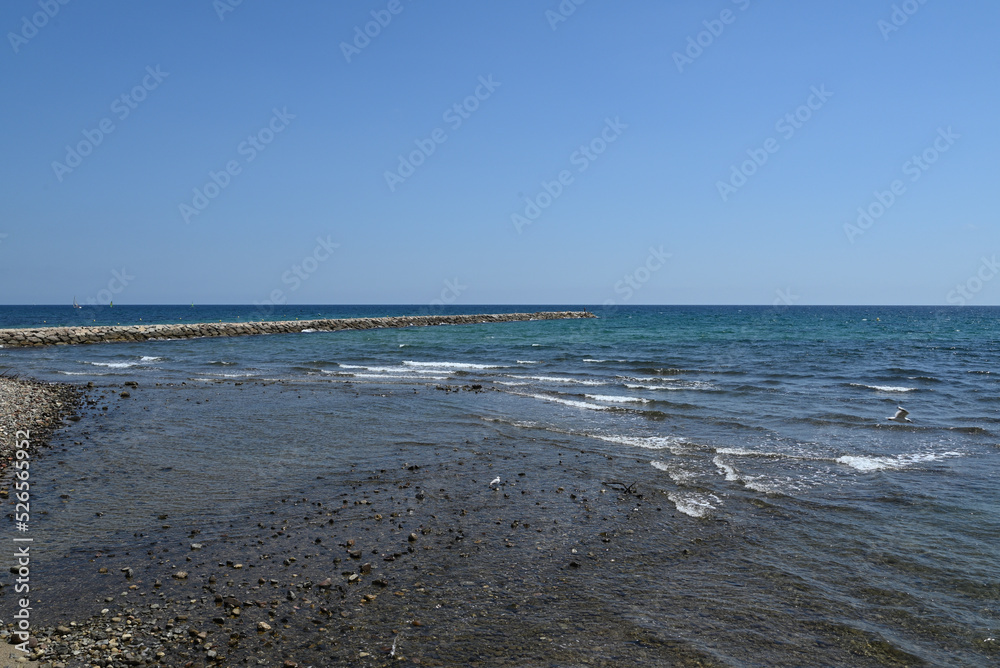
691	385
384	376
663	371
885	388
559	379
244	374
615	399
82	373
676	444
593	361
728	470
220	363
116	365
695	505
148	358
527	362
569	402
896	462
680	476
452	365
390	369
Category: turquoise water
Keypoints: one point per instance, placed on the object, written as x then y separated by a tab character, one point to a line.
772	421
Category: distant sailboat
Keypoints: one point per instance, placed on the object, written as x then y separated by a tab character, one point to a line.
75	305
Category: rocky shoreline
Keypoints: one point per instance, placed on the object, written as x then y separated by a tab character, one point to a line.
419	562
47	336
35	407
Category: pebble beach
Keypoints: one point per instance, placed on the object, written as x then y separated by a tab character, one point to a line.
414	563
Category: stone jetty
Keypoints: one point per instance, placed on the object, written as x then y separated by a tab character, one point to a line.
49	336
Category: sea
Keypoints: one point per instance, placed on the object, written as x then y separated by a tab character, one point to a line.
771	420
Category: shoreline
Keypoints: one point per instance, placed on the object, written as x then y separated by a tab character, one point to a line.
31	405
46	336
420	562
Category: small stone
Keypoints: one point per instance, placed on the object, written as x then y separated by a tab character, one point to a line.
196	546
181	575
412	538
263	626
325	584
366	568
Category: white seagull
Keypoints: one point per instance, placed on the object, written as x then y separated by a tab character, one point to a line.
495	481
900	415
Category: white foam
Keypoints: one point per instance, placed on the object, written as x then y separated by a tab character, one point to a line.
308	331
452	365
386	376
890	463
673	443
615	399
560	379
392	369
115	365
593	361
695	505
673	385
81	373
679	475
527	362
885	388
728	470
147	358
569	402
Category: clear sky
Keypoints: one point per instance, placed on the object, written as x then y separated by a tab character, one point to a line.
709	152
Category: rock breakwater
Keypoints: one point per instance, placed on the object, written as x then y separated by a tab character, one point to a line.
48	336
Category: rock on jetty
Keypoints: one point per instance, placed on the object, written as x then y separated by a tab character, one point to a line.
48	336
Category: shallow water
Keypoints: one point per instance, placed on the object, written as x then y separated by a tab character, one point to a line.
829	532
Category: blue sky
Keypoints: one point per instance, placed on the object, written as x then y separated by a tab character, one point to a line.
637	153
